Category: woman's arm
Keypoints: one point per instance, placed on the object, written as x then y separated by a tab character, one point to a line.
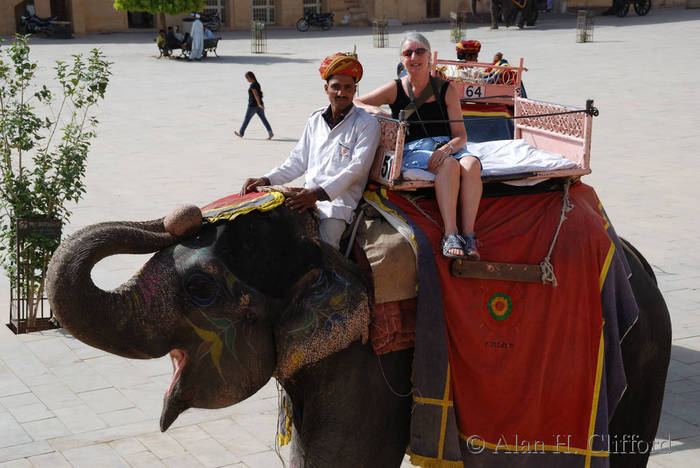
459	133
371	102
257	98
454	112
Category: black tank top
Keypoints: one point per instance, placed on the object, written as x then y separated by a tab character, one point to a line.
428	111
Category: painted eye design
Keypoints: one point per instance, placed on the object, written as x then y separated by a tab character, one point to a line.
201	288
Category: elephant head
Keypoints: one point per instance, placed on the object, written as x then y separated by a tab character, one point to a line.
233	302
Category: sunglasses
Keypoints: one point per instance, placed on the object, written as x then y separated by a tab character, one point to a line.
419	51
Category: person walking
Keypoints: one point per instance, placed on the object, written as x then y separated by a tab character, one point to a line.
255	106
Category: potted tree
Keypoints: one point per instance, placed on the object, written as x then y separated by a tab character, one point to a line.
45	136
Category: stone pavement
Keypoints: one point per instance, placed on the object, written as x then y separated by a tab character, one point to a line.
166	138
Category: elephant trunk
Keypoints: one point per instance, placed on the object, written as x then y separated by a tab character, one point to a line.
115	321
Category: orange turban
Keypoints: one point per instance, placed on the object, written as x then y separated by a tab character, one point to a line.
470	47
341	64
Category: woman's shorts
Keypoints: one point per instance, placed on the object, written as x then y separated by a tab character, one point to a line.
417	153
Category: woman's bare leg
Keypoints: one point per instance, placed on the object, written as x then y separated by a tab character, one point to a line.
470	189
447	191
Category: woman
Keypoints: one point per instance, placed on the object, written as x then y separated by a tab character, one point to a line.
255	106
436	147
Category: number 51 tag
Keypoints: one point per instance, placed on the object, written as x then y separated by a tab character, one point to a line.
387	164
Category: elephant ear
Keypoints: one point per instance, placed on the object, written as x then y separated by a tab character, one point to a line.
328	309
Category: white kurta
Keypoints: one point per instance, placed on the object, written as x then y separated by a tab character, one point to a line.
197	34
338	160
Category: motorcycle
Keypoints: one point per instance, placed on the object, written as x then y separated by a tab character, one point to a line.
32	24
324	20
213	21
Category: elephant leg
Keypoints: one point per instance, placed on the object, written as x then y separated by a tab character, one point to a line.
532	12
523	15
352	409
495	12
646	352
508	11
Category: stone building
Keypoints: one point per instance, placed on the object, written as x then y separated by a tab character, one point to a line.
92	16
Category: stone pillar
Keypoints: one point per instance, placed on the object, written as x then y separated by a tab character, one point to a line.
287	13
241	14
43	8
230	20
78	15
7	20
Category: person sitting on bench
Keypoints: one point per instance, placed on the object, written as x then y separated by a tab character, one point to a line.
467	51
438	147
160	40
171	40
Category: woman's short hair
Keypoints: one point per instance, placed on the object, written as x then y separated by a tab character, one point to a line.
414	36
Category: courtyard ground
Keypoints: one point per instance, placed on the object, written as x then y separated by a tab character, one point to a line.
166	138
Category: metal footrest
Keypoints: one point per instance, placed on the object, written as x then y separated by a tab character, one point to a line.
496	271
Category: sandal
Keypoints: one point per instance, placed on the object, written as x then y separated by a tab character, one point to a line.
470	250
452	242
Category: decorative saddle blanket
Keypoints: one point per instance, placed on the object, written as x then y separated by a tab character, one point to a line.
528	370
228	208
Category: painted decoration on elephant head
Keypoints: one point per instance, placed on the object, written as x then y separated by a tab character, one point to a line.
330	312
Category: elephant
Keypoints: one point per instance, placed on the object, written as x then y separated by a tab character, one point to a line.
507	11
238	302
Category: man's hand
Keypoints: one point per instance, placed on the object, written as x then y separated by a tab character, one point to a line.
302	200
436	159
250	184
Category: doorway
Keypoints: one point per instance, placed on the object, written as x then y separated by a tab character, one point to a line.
60	10
140	19
432	8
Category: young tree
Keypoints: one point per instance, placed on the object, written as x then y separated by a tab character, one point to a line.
43	154
160	7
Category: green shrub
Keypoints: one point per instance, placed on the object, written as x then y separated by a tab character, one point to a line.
43	152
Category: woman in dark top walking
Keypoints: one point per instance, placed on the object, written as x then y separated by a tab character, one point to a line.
438	147
255	106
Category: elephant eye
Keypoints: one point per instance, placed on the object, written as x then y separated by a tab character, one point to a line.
202	289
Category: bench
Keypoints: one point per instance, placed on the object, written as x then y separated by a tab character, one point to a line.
210	46
566	134
502	90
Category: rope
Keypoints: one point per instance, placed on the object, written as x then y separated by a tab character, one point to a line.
356	225
546	266
280	396
503	117
503	96
386	381
412	200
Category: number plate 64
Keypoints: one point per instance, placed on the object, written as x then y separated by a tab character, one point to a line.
474	91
